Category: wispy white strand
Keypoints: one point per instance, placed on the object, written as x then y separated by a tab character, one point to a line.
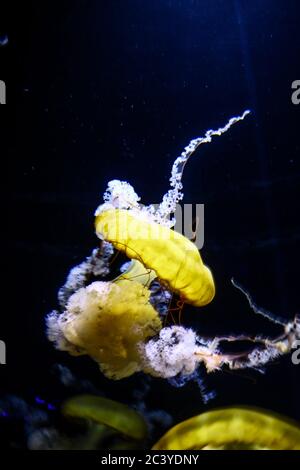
173	196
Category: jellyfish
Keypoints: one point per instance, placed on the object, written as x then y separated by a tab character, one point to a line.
111	321
239	428
118	322
107	412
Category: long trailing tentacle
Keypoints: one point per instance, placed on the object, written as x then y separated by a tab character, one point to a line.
256	309
265	349
175	194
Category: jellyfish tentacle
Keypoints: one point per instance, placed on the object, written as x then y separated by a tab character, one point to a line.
138	272
256	309
174	195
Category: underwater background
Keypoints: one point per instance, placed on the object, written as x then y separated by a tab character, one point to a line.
98	90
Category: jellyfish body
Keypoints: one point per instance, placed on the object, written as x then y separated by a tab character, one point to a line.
174	258
113	321
107	321
110	413
232	428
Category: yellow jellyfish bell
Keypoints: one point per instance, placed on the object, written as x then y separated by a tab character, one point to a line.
108	412
174	258
233	428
